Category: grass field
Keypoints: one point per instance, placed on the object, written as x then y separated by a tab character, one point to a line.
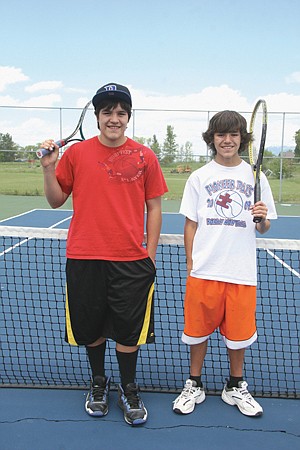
26	179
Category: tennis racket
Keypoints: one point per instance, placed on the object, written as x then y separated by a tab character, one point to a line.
62	142
258	128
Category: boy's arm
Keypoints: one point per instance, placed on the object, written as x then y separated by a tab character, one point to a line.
190	228
153	225
263	226
54	194
261	210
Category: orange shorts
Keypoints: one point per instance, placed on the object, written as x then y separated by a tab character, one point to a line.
213	304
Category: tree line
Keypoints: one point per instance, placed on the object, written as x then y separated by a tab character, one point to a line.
168	152
10	151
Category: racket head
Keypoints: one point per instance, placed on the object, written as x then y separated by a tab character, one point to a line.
258	129
79	125
62	142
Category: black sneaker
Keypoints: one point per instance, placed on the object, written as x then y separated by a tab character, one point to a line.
96	403
130	402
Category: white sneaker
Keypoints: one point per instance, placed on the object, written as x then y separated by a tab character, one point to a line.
190	395
242	399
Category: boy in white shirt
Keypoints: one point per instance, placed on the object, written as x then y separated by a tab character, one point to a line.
219	236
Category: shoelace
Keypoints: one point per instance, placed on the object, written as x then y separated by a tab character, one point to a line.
245	393
98	393
133	399
187	390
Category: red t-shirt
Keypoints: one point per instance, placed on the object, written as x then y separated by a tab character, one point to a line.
109	186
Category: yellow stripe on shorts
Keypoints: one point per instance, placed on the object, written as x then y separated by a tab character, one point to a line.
70	335
144	332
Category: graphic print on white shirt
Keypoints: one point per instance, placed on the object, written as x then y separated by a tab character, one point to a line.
219	199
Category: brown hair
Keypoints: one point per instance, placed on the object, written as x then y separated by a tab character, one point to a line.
109	105
227	122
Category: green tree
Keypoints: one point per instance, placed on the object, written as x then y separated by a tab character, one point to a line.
154	145
151	143
8	149
268	154
188	153
140	140
29	151
297	140
268	160
181	156
170	147
185	153
286	167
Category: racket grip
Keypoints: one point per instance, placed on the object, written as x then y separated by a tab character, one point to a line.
41	152
257	193
257	197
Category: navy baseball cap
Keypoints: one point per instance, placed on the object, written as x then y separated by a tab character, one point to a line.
112	91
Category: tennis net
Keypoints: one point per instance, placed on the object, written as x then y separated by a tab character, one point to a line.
34	354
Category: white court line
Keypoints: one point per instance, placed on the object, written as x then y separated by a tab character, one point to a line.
61	221
28	239
284	264
33	210
258	240
19	215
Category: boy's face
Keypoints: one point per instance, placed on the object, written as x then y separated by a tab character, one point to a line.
227	146
112	125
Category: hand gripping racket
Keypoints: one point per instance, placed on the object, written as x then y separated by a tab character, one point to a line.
258	128
62	142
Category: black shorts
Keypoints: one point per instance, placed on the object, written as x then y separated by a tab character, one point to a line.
112	299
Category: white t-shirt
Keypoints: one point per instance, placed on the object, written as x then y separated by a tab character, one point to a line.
218	198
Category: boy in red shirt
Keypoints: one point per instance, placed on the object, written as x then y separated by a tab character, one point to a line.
110	274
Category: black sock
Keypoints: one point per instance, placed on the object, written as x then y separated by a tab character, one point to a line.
127	366
233	381
96	356
197	379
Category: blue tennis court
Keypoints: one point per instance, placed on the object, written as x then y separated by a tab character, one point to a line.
285	227
55	418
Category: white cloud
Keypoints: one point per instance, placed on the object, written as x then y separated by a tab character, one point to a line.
283	102
30	131
42	101
7	100
75	90
33	129
293	78
82	101
214	98
189	123
44	86
10	75
188	114
153	111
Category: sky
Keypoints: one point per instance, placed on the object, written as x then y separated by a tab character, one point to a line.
172	54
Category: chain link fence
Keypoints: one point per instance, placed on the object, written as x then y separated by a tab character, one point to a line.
28	126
